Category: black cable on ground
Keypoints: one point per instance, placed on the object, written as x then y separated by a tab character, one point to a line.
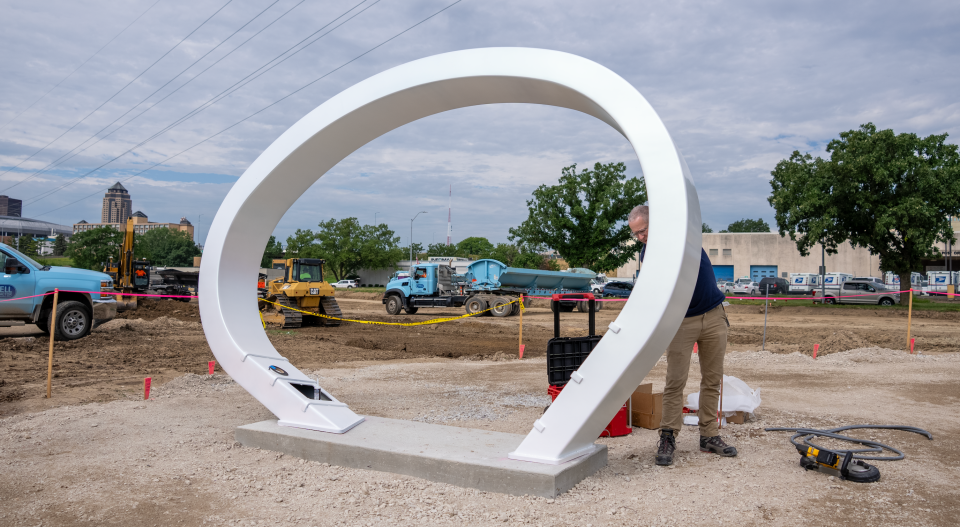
808	434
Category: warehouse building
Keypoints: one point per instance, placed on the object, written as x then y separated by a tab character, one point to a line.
763	254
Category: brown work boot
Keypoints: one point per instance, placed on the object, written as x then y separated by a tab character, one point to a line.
666	447
716	445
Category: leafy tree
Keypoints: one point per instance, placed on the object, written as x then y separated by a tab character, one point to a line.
91	249
442	249
745	225
417	251
348	247
271	251
166	247
474	247
584	216
302	244
27	245
887	192
59	245
706	228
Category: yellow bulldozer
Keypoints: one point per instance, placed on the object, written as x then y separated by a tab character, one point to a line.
301	287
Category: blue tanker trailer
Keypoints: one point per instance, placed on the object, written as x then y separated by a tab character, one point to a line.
485	284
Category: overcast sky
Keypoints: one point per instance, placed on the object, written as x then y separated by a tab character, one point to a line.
739	85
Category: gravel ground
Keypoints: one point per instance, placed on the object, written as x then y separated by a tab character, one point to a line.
172	460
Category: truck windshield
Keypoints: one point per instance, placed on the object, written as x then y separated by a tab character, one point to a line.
23	258
310	273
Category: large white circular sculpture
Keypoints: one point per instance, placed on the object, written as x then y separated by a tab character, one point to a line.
298	158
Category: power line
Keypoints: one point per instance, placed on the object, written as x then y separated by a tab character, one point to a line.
217	98
305	86
64	158
80	66
121	89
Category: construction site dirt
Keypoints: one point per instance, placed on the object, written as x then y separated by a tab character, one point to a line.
96	453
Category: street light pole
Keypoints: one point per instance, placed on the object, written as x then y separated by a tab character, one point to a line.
375	218
411	235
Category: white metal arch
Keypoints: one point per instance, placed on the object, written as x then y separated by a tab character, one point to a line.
375	106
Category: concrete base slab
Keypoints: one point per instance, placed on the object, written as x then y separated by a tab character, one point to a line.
447	454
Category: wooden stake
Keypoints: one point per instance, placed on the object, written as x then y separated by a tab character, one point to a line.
521	326
53	332
909	316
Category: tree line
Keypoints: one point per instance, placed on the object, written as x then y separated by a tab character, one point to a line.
163	247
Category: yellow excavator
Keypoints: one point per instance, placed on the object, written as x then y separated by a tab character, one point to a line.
129	275
301	287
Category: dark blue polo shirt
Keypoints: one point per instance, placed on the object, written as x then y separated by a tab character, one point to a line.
706	295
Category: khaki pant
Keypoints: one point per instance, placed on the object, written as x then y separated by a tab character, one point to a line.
709	331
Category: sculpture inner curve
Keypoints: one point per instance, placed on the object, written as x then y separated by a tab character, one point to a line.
404	94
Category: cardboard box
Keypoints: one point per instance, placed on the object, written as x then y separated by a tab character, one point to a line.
735	419
647	407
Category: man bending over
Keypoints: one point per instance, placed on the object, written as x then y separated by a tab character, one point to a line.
706	324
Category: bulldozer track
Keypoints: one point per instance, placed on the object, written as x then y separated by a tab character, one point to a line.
291	317
330	307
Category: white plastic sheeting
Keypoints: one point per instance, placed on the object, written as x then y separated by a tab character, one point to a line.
737	397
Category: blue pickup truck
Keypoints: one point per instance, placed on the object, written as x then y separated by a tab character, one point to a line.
77	313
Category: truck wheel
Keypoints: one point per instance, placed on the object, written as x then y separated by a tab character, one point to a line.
475	305
411	310
829	300
501	307
43	323
516	309
394	305
886	302
73	321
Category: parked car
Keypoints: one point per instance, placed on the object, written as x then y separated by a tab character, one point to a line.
85	298
778	286
345	284
617	289
745	286
721	285
859	292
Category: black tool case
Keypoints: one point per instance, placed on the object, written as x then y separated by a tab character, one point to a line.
566	354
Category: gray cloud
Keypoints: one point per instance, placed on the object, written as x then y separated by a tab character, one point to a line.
739	85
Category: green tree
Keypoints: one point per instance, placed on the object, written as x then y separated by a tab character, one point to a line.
474	247
348	247
271	251
91	249
442	249
745	225
584	216
302	244
166	247
27	245
59	245
706	228
890	193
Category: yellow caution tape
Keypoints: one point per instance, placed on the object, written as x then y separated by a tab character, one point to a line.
434	321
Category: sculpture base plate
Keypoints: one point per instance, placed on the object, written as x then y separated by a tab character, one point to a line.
459	456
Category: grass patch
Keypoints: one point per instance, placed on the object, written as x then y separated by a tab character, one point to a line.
60	261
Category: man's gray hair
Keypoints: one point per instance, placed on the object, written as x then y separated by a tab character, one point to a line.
640	211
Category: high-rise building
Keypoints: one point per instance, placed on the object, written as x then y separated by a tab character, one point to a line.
11	207
117	205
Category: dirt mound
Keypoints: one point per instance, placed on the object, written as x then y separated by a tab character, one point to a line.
139	324
152	309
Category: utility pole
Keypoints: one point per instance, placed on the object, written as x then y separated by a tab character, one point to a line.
823	271
411	235
375	218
